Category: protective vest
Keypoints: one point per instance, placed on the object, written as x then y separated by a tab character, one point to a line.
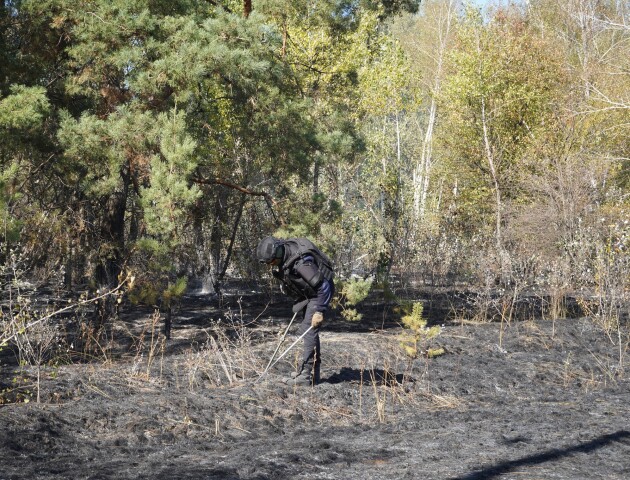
301	277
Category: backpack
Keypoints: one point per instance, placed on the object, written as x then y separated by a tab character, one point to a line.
300	247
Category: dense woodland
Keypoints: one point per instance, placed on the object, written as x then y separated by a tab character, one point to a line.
437	143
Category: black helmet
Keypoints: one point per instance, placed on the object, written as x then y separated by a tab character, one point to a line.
267	249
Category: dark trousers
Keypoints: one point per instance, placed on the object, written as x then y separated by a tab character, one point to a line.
311	353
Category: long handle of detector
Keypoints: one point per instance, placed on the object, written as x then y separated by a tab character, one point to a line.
280	343
284	353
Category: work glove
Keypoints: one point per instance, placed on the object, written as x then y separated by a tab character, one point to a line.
317	320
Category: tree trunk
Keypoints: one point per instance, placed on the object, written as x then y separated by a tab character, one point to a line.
493	172
228	254
316	172
422	172
423	169
113	237
112	247
502	253
216	238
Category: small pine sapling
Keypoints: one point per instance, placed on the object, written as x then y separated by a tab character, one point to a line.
418	335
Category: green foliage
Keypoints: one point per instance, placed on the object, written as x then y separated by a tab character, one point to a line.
351	293
158	293
168	197
293	230
22	116
24	108
175	291
355	290
415	339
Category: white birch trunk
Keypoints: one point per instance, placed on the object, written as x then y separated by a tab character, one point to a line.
422	170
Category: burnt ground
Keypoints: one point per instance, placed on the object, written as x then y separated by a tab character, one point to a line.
531	399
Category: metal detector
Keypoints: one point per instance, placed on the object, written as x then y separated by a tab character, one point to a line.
283	353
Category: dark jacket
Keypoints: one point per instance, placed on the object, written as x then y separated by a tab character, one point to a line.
303	269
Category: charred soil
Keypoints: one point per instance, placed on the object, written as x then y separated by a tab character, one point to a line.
531	399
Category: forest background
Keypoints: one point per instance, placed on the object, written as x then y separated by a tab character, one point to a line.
437	144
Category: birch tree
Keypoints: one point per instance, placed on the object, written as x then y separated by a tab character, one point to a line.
426	39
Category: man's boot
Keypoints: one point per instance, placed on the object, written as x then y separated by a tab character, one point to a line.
306	376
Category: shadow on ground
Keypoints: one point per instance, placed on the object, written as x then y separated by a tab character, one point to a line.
550	456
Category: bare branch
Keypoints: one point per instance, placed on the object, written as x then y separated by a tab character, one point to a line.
6	339
256	193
